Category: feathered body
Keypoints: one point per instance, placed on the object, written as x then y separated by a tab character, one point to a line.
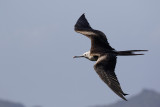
104	55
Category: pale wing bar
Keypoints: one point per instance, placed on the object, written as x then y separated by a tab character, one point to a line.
98	38
82	26
105	69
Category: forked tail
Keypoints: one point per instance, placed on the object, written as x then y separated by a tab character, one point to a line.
129	52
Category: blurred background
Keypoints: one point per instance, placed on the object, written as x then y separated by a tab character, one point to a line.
38	42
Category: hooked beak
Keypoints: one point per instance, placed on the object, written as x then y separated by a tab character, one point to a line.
78	56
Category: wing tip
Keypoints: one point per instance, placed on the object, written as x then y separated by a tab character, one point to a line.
122	96
83	15
82	23
125	94
125	99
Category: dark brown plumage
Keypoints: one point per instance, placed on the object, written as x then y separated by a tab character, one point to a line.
104	55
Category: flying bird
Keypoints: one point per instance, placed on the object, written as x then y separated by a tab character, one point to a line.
104	55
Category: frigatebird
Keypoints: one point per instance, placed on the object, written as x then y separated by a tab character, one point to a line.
104	55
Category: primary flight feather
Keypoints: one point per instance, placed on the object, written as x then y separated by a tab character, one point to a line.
104	55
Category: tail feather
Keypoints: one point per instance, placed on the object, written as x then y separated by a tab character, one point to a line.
129	52
125	94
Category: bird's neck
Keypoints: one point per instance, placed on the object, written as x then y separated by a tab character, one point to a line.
93	58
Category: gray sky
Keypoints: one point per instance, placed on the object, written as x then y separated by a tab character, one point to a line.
37	43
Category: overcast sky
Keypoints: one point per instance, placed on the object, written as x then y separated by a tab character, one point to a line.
37	43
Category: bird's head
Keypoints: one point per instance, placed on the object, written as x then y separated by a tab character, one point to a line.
88	56
85	55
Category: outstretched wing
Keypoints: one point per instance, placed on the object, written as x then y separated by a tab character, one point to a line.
104	67
99	41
